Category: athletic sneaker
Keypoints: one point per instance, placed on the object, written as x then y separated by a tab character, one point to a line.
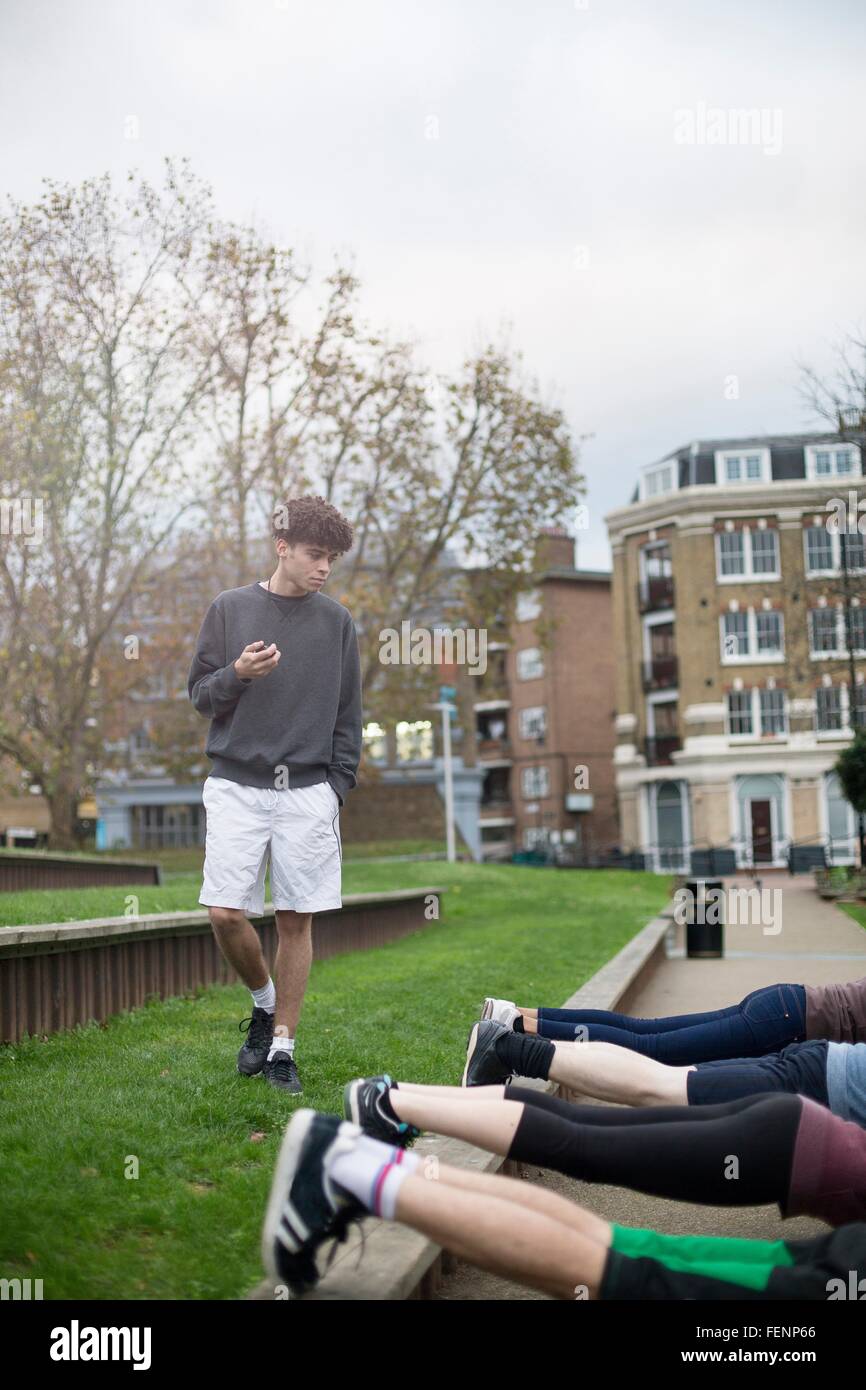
483	1067
260	1031
282	1072
305	1208
500	1010
362	1104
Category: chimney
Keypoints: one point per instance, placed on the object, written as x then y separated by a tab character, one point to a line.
554	548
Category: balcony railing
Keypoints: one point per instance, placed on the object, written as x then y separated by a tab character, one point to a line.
658	749
660	672
488	748
655	592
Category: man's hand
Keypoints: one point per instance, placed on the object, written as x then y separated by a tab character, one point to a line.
256	660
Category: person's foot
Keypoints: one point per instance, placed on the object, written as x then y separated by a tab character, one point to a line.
483	1067
362	1104
501	1011
305	1208
260	1031
281	1071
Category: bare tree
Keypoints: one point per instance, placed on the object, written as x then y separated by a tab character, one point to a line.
839	399
99	399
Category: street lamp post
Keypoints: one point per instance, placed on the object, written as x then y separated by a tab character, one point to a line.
446	707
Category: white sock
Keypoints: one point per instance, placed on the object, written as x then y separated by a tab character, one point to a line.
266	997
281	1044
374	1173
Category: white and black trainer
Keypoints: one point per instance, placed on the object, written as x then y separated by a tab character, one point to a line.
305	1208
500	1011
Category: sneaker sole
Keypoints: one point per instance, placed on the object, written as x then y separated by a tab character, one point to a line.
287	1162
242	1071
350	1107
470	1050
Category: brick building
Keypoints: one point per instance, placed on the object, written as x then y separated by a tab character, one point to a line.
544	715
736	685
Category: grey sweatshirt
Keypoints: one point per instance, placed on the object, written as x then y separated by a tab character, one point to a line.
305	715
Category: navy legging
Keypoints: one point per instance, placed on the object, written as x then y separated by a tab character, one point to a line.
766	1020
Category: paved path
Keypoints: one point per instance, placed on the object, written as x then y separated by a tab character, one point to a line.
818	943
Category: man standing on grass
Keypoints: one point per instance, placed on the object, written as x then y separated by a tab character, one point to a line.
277	672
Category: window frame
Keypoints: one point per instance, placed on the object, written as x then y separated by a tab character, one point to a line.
753	657
811	452
748	573
721	461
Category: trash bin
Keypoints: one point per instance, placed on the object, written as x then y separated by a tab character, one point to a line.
705	918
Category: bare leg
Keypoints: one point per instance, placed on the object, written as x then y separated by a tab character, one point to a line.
527	1195
470	1093
490	1125
613	1073
499	1234
291	968
530	1020
239	942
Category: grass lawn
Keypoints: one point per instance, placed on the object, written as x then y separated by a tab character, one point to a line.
855	910
159	1085
182	870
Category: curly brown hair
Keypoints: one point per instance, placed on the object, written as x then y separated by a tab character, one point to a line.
313	520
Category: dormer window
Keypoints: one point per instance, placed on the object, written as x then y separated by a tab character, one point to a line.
832	461
735	467
658	480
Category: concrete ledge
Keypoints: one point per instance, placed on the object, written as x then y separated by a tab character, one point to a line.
390	1262
100	930
56	975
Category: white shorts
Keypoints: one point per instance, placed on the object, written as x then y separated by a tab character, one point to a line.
296	826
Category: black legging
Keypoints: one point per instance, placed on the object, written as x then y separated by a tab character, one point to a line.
665	1150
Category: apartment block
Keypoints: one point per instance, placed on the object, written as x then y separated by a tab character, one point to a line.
544	716
739	621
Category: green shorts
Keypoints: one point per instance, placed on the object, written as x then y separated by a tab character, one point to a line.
746	1263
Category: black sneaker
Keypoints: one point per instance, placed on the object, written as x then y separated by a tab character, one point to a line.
260	1031
282	1072
483	1067
362	1105
305	1208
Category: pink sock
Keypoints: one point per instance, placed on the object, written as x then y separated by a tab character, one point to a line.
374	1173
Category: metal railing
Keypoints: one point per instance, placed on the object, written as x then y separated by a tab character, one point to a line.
655	593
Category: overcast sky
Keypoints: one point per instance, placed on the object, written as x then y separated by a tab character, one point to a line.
520	162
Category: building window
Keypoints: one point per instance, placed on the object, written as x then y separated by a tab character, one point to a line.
824	550
851	550
828	708
744	554
535	781
832	461
752	636
828	635
820	551
740	712
760	709
528	605
732	553
415	741
533	722
768	632
530	664
772	708
375	743
765	551
657	481
734	467
534	837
